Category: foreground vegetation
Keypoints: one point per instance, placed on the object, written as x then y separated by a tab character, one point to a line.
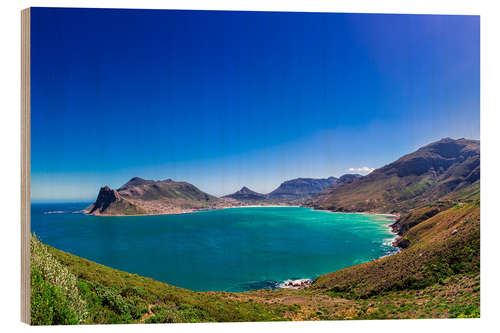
437	276
112	296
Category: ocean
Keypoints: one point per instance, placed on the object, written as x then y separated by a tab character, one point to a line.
232	249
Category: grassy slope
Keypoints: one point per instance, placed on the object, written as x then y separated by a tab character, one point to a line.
455	296
437	276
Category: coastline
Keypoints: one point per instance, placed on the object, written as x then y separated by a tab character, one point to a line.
191	211
264	206
393	241
388	215
394	218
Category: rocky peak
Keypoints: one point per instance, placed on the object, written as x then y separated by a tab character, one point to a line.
246	194
105	197
107	193
136	181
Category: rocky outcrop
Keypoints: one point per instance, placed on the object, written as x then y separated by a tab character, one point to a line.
140	196
105	198
401	242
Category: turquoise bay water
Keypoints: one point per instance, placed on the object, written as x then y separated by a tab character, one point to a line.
232	249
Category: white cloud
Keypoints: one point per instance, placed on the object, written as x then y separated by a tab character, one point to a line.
363	169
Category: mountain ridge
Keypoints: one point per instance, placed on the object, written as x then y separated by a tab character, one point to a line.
299	188
431	173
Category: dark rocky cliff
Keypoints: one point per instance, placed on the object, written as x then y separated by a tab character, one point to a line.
104	199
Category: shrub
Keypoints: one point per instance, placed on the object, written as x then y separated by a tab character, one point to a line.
49	305
54	296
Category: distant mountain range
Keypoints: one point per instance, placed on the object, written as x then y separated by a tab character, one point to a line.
140	196
301	187
291	190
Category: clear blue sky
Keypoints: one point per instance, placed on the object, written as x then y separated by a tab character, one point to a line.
226	99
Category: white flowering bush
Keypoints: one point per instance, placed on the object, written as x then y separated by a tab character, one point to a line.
52	283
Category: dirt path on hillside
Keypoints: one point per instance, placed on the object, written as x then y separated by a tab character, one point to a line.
148	315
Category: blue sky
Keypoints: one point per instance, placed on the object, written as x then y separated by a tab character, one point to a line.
227	99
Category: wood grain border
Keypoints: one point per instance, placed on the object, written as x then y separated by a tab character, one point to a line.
25	164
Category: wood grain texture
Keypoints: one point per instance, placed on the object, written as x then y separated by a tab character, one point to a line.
25	164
